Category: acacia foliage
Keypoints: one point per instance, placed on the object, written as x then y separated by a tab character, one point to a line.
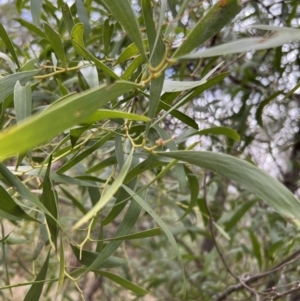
97	159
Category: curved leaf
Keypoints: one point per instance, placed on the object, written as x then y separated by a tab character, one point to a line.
5	38
280	37
247	175
10	209
40	128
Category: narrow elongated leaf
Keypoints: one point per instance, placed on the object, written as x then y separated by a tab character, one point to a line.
36	9
119	152
31	27
85	153
56	44
29	65
61	275
158	48
120	203
124	14
221	130
280	36
154	98
76	203
211	24
22	101
113	114
210	83
94	194
59	178
35	291
178	86
48	198
134	65
11	208
107	32
83	16
256	248
63	90
8	44
180	174
218	130
105	163
156	45
148	164
247	175
67	16
179	115
108	193
88	257
130	52
194	191
79	107
163	226
78	43
124	282
8	82
138	235
149	22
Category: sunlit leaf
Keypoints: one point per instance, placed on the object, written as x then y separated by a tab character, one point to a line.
36	130
280	36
